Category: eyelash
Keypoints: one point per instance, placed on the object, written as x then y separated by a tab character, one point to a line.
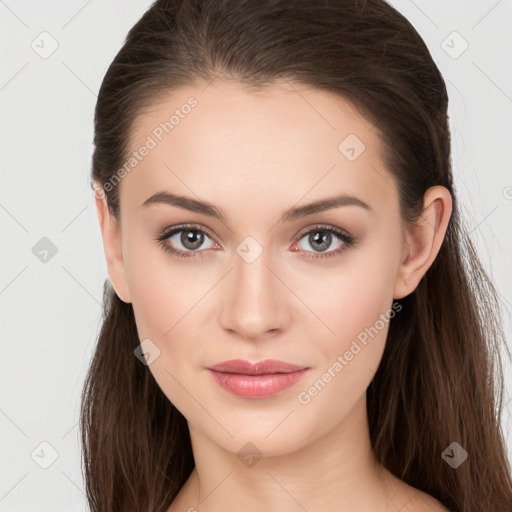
347	240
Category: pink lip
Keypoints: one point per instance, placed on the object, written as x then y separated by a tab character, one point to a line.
256	380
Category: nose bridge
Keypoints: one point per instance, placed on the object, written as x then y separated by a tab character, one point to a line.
254	302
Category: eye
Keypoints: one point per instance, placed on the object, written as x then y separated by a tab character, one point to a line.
190	237
321	239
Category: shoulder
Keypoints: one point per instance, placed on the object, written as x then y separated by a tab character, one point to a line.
427	503
418	501
410	499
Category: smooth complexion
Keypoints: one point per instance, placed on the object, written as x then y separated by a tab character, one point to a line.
254	156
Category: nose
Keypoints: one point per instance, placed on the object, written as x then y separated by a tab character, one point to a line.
255	303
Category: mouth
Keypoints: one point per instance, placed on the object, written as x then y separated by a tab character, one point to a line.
256	380
266	367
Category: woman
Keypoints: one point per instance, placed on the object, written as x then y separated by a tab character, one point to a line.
297	318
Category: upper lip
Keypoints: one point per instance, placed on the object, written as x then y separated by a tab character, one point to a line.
267	366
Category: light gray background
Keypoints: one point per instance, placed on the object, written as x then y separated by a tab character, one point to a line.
50	311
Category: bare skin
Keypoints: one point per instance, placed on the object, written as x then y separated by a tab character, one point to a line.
397	496
254	156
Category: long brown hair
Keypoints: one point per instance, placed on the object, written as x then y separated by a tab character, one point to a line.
440	379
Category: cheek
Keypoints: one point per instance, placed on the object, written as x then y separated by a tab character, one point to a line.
358	308
153	302
353	295
356	305
169	311
166	309
162	293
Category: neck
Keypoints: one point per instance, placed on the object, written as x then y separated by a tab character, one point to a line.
333	471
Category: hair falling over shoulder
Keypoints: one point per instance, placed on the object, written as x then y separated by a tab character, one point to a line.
440	379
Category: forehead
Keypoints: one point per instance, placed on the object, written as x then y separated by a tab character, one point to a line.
284	142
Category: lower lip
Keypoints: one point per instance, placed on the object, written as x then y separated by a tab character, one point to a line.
257	386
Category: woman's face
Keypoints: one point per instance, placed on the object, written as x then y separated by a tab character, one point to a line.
267	280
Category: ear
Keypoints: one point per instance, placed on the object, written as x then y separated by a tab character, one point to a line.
111	234
423	240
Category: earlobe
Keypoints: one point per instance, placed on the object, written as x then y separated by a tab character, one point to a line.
112	244
423	240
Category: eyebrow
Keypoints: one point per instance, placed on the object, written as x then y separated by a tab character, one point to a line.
293	213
